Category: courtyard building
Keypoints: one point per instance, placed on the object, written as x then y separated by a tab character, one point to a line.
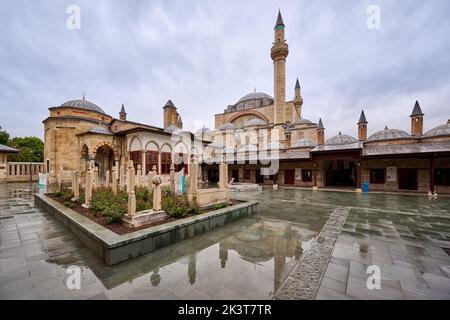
257	129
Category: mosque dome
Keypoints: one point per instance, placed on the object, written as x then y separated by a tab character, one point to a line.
255	96
250	101
388	134
82	104
340	139
442	130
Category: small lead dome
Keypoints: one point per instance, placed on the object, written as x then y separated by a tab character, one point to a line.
82	104
340	139
304	143
388	134
442	130
255	122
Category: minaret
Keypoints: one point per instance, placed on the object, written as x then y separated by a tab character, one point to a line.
279	53
417	120
320	133
362	127
122	113
298	100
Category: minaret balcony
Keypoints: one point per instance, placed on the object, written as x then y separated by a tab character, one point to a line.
279	51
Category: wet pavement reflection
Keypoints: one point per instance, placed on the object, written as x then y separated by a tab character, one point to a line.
247	259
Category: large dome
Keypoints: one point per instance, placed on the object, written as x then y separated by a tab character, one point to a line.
255	96
250	101
82	104
388	134
340	139
443	130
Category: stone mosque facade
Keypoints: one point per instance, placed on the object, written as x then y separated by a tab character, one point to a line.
387	160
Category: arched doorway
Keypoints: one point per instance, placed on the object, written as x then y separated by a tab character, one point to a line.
104	161
342	173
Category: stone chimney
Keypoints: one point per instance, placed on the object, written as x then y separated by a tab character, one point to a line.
320	133
362	127
417	121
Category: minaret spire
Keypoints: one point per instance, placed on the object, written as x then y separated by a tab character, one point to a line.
298	100
279	22
279	52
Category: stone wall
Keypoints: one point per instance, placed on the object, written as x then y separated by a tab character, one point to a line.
423	173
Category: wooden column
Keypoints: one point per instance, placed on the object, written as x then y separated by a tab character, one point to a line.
432	174
358	174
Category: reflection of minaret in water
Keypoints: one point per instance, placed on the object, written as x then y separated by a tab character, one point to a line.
223	255
192	268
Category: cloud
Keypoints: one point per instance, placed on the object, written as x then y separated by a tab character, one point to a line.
205	55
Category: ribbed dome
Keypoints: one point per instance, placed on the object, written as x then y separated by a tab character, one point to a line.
203	130
388	134
254	96
303	143
83	104
255	122
442	130
302	121
100	130
172	129
340	139
227	126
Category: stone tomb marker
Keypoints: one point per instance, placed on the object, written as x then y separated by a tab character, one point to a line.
151	175
88	189
157	193
107	179
76	185
114	180
139	176
130	188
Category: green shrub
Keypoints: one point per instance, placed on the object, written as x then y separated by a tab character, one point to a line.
142	193
113	206
114	212
64	193
68	204
220	206
177	206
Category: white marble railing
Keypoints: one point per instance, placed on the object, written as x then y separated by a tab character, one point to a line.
21	171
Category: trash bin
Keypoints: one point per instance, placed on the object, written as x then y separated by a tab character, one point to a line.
365	187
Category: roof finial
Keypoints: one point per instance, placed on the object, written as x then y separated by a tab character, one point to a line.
254	89
83	96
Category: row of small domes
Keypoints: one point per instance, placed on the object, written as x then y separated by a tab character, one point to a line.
386	134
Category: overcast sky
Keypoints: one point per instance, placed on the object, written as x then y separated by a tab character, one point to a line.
205	55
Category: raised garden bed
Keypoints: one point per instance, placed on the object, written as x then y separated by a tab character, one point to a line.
114	248
120	228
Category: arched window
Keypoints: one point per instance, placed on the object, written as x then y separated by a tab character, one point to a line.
166	159
151	157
